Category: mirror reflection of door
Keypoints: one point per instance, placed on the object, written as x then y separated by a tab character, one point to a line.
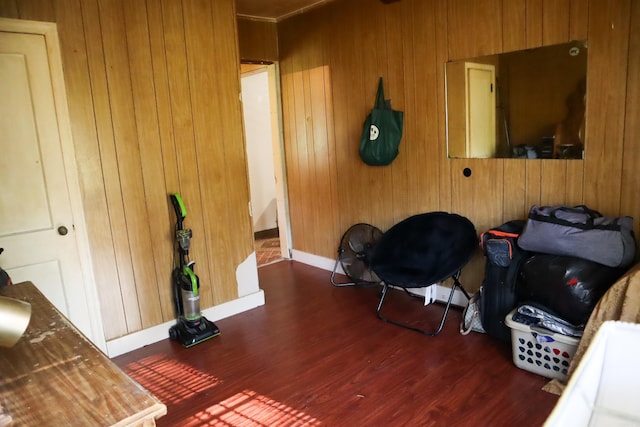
481	108
471	105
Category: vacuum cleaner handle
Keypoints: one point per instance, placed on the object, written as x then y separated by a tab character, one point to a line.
192	279
178	207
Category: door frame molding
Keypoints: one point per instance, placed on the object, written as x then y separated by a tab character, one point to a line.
277	126
277	139
50	33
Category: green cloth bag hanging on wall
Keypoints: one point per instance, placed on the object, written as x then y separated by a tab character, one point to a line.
381	132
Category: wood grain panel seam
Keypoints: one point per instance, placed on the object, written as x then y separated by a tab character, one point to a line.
107	152
144	242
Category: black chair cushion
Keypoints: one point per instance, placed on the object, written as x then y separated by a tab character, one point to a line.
424	249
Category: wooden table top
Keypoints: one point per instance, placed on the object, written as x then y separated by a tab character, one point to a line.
55	376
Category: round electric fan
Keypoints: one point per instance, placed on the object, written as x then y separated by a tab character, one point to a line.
354	254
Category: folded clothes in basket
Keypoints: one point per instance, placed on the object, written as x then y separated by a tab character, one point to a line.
535	316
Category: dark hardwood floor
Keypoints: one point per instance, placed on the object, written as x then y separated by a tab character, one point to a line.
318	355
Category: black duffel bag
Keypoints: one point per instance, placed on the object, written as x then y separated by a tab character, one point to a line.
579	232
568	287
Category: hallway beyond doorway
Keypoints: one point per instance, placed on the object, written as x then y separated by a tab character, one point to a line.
267	245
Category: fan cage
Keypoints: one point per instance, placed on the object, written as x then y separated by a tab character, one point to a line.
354	254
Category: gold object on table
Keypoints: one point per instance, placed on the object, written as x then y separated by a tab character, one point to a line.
14	319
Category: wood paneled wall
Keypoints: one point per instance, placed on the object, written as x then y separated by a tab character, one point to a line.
331	58
153	91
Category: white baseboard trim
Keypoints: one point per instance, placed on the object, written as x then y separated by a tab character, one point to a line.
442	295
160	332
315	261
433	293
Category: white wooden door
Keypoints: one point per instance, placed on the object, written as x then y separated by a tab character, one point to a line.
481	110
37	228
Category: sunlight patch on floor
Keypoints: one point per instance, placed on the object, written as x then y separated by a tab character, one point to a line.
249	408
170	381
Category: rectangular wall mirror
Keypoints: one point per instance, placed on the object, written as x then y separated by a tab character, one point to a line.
522	104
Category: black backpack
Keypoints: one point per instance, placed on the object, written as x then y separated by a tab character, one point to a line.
498	292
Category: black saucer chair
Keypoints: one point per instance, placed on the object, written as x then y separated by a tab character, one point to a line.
422	250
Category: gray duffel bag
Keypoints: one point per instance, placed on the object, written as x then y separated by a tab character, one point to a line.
580	232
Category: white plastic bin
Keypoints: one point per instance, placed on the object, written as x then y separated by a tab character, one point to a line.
605	387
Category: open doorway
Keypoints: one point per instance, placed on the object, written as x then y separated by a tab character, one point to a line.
265	159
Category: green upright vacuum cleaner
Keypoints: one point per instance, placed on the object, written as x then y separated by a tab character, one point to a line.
191	327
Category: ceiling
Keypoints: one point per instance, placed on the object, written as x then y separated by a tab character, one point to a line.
274	10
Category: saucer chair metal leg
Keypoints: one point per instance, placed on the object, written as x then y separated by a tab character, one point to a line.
335	267
456	284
